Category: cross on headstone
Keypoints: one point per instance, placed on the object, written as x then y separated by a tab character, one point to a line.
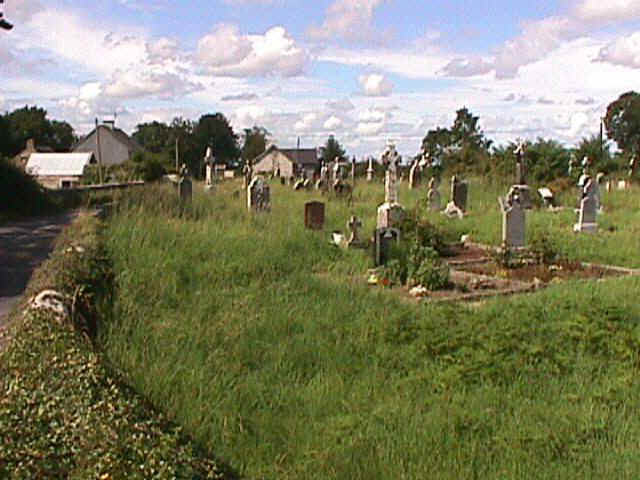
521	165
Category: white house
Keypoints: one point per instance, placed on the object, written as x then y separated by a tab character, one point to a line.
58	170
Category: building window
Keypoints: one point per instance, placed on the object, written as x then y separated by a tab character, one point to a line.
66	184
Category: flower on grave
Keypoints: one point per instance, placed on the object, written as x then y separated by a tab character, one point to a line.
386	282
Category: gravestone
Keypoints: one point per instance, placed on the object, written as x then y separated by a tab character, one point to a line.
185	187
370	170
513	221
354	225
459	193
353	171
384	239
547	197
208	177
390	213
299	185
314	215
588	210
414	175
258	195
433	196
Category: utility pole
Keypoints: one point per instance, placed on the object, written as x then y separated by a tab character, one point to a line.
99	153
601	139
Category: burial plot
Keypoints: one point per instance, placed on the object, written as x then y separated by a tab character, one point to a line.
314	215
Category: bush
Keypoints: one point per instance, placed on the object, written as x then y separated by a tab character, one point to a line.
20	194
426	268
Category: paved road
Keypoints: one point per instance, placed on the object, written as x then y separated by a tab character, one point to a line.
23	247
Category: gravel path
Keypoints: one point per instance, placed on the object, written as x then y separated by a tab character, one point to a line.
24	246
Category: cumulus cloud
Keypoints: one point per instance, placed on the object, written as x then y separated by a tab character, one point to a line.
227	52
598	11
623	51
467	67
343	105
350	20
375	85
132	84
332	123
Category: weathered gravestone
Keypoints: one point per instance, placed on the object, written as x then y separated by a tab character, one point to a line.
547	197
459	193
513	220
588	209
354	225
433	196
414	175
383	241
370	170
314	215
258	195
390	213
185	187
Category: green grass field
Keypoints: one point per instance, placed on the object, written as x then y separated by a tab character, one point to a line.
246	331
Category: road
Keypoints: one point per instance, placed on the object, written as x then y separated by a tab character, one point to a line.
24	246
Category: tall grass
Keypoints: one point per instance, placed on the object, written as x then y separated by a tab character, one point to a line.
229	323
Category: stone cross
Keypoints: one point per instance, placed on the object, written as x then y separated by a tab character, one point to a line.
521	165
354	224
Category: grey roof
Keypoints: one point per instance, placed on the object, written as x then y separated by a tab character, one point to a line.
119	134
59	164
301	156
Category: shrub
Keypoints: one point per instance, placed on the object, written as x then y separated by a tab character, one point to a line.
426	268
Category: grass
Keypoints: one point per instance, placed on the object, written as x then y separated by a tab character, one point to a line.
64	411
220	320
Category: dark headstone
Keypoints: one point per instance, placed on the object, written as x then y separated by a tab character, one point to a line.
314	215
383	240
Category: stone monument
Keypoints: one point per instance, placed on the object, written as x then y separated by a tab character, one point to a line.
513	220
459	193
258	195
354	225
521	177
588	209
390	213
414	175
433	196
370	170
185	186
314	215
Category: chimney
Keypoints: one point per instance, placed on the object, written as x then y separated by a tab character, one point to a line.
31	145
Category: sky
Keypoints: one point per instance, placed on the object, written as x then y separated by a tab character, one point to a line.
365	71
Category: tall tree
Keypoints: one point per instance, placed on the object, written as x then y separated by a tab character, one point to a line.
215	131
331	150
153	137
254	142
466	132
592	148
623	122
32	122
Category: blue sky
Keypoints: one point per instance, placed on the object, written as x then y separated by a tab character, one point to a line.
366	71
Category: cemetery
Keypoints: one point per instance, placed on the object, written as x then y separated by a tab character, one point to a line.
299	316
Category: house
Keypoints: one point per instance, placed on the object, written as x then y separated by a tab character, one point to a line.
21	159
287	162
116	146
59	170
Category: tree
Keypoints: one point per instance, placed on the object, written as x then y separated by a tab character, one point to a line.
331	150
153	137
466	132
31	122
436	141
254	143
546	159
215	131
622	122
591	147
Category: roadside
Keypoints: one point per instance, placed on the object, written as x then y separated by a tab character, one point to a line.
24	245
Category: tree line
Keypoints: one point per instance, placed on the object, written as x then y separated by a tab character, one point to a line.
463	146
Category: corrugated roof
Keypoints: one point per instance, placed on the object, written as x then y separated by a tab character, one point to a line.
302	156
60	164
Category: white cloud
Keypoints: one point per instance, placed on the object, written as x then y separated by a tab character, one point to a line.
599	11
351	20
375	85
623	51
332	123
226	52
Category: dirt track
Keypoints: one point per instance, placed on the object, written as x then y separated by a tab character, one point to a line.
23	247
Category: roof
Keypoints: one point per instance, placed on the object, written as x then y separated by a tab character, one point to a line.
118	134
60	164
302	156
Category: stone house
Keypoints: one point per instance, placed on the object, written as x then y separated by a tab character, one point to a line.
59	170
287	162
116	146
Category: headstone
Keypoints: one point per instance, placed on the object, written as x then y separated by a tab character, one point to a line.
258	195
459	193
588	210
314	215
299	185
370	170
414	175
353	171
513	222
433	196
384	239
390	213
521	165
185	187
547	197
633	166
623	184
208	176
353	225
